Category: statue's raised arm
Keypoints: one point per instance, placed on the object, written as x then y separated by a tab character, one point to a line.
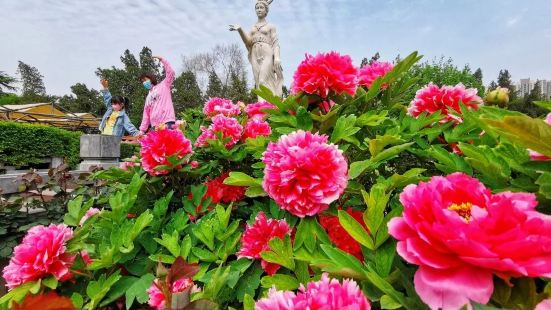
263	50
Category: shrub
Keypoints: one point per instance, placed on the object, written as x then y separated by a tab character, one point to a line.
27	144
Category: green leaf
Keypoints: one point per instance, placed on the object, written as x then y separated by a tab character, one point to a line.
387	288
17	294
50	282
390	152
530	133
255	191
72	217
138	290
344	128
357	168
281	252
372	118
170	242
281	282
241	179
544	181
376	202
249	282
380	142
341	263
248	302
384	258
77	300
118	290
388	303
356	230
204	255
544	104
304	120
96	290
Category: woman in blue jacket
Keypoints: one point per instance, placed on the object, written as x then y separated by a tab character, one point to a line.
115	121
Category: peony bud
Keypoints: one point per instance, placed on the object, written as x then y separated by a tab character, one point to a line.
498	96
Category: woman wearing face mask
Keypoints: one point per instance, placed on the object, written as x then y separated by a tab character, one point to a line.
158	108
115	121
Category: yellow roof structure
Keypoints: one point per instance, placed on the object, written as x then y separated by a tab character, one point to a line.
48	114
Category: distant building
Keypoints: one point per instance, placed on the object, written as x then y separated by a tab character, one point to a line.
525	86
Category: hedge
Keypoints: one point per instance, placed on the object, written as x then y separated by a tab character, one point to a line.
27	144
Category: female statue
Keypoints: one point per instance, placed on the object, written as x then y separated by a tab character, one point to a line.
263	49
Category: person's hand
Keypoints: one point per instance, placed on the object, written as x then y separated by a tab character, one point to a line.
140	134
104	83
234	27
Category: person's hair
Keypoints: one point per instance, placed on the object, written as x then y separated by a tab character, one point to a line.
150	76
125	102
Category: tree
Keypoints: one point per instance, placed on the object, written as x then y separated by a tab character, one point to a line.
238	90
492	86
33	89
373	59
214	88
504	80
526	105
478	75
222	59
6	82
186	92
83	99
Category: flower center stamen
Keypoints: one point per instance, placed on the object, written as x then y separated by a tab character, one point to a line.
464	209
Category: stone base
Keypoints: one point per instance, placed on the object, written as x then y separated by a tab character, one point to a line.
104	163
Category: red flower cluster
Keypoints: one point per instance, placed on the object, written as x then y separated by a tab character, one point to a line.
338	234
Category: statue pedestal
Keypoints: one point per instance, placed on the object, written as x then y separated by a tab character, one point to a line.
99	150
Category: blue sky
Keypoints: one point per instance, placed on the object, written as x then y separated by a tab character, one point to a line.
68	39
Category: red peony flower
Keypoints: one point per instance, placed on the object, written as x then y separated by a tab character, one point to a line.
460	235
256	237
222	106
255	128
370	73
220	192
324	74
257	110
304	173
229	128
159	145
326	294
431	98
40	254
156	297
339	236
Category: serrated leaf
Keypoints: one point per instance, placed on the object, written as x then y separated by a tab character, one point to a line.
138	290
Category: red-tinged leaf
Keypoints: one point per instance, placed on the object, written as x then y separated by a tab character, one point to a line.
180	269
50	301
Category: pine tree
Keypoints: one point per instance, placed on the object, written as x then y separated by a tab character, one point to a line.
492	86
504	80
237	88
33	89
478	75
6	82
214	87
186	92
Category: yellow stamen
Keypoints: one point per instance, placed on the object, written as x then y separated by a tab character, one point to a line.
464	210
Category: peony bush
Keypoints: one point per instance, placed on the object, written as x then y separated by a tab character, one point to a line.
344	195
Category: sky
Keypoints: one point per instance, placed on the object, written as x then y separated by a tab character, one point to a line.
68	39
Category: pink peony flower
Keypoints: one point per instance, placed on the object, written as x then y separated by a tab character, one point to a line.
40	254
326	294
460	235
535	155
91	212
159	145
227	127
157	298
370	73
256	237
432	98
257	110
544	305
304	173
222	106
256	127
194	164
324	74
